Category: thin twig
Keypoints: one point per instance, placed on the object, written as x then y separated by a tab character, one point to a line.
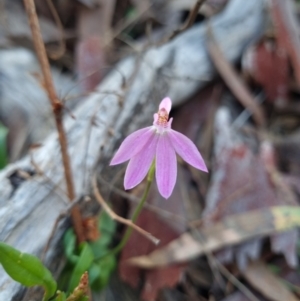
188	23
40	172
118	218
236	282
215	263
232	79
56	223
163	213
62	43
57	107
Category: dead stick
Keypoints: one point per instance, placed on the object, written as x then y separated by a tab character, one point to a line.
118	218
57	107
188	23
232	79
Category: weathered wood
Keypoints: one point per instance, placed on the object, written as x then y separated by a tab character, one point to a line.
176	69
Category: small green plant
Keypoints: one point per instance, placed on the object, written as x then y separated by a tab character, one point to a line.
29	271
93	257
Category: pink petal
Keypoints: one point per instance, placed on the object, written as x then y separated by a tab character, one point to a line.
139	165
187	150
170	122
132	145
166	166
166	104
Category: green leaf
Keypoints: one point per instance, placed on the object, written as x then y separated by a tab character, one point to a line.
26	269
94	272
107	225
3	146
105	267
69	242
107	228
83	264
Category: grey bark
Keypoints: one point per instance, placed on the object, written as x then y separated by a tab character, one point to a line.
178	69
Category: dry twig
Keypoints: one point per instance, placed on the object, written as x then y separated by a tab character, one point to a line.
188	23
62	43
57	107
118	218
232	79
216	265
56	223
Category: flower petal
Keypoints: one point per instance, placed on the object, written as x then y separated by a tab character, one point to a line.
166	104
132	145
139	165
187	150
166	166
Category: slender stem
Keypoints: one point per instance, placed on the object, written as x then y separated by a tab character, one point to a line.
118	218
57	107
136	212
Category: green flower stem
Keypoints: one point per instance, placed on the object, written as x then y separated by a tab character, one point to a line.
136	212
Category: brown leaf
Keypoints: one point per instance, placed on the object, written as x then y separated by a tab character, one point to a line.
137	245
90	58
243	180
232	230
268	284
269	67
94	31
287	29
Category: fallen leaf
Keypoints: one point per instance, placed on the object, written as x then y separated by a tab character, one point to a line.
230	231
287	29
267	283
94	31
244	179
268	65
281	243
90	58
155	279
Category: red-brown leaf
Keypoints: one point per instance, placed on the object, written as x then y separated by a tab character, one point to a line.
269	67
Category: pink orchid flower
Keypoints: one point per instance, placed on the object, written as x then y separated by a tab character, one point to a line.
161	142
